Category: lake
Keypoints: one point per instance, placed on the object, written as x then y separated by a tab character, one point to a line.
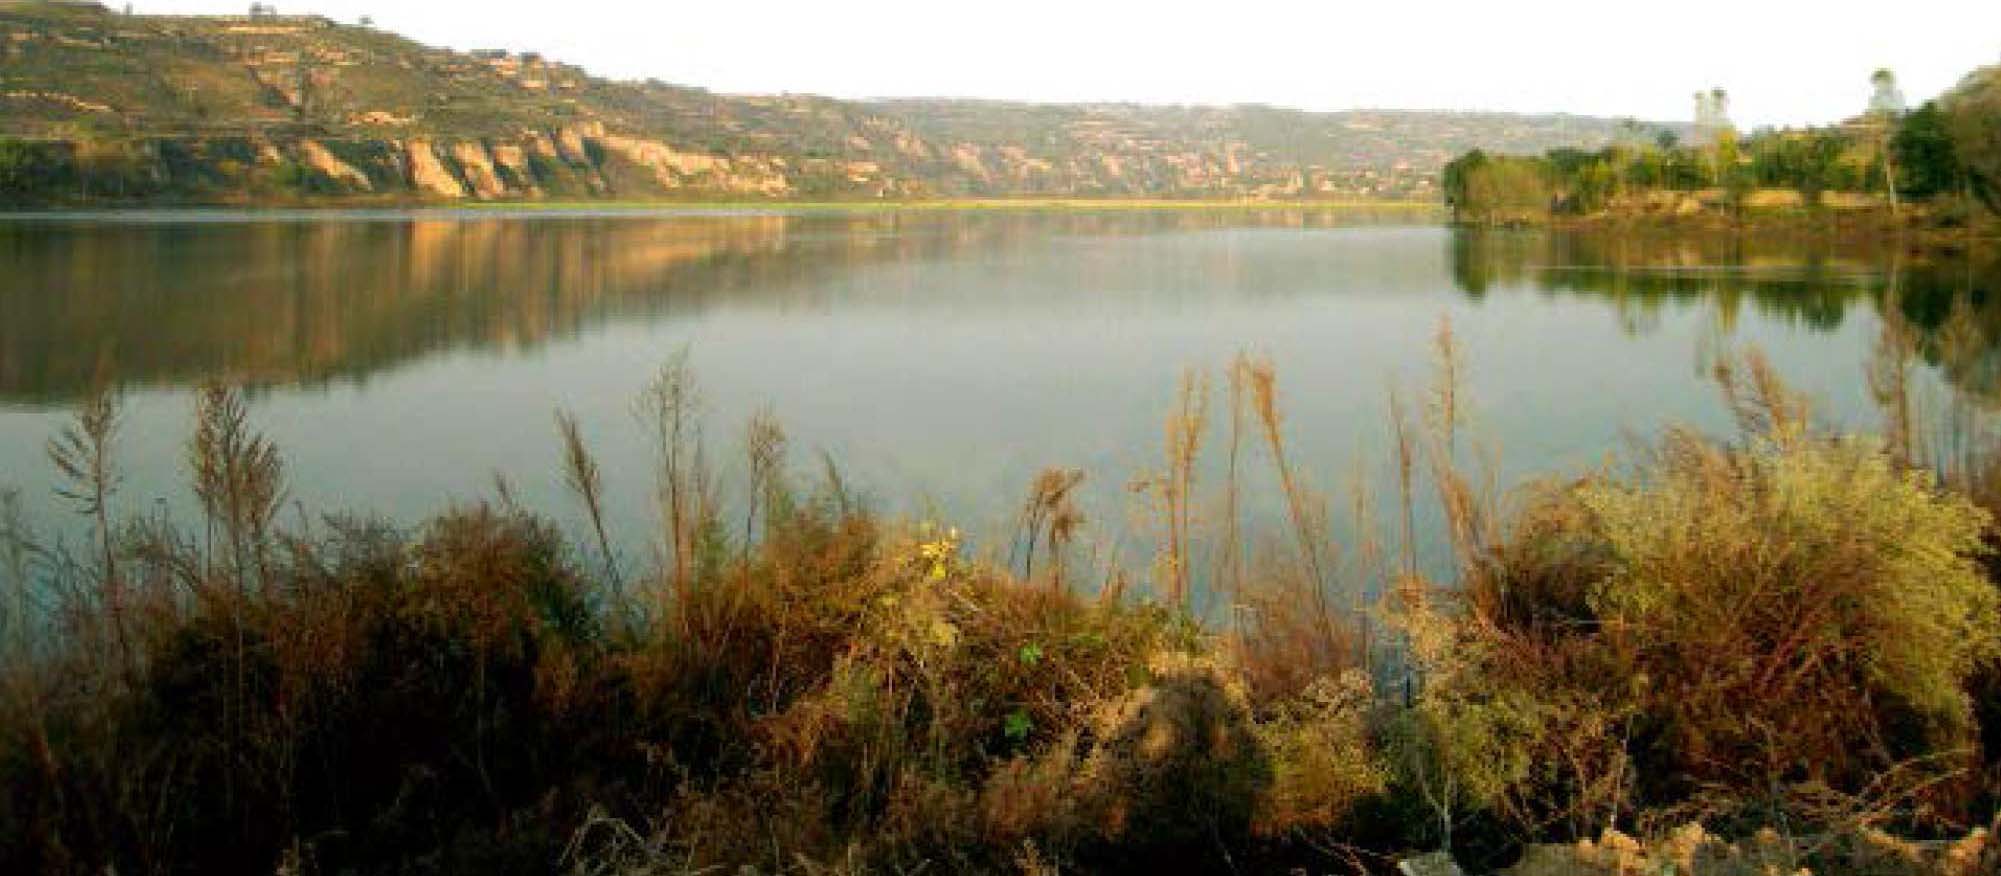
400	359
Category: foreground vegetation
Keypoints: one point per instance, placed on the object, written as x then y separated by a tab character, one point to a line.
1757	653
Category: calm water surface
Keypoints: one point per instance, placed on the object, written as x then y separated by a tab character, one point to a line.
400	360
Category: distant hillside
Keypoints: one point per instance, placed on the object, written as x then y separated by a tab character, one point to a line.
99	105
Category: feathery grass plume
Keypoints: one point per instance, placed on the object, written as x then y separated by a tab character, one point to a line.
1469	501
1759	399
764	446
1051	518
1302	633
670	409
582	476
503	490
1302	507
82	455
1230	555
1174	489
239	478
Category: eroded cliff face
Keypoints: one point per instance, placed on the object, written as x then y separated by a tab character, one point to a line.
586	160
578	161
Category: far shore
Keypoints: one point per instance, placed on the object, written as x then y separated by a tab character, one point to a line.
1415	208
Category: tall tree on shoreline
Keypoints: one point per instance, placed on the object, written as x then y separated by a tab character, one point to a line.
1886	107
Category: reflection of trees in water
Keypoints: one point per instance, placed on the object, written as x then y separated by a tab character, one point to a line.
1950	314
1948	303
307	301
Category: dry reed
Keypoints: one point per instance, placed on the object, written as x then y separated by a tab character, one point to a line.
586	482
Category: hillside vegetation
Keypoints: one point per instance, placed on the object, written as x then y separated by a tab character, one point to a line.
102	106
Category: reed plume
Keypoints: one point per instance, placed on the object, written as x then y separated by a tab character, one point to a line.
1307	521
1230	559
238	476
1051	517
669	409
1759	398
1184	446
82	455
764	444
581	475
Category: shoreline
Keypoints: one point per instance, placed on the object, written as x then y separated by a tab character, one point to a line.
943	205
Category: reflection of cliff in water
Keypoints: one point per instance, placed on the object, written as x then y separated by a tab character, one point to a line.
309	301
1948	304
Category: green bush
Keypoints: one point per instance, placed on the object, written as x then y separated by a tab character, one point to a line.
1751	616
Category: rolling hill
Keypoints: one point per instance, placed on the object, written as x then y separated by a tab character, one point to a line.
98	105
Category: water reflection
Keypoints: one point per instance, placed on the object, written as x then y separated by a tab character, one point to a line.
942	359
307	301
1945	302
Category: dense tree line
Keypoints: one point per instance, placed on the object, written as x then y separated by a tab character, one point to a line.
1949	147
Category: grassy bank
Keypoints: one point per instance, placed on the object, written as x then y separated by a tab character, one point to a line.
1782	637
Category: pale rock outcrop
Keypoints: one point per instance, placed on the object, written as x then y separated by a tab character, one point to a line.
863	171
429	174
967	157
673	168
514	158
538	142
566	148
667	164
318	157
477	165
913	147
570	144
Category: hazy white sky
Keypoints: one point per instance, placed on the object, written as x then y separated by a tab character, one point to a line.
1783	62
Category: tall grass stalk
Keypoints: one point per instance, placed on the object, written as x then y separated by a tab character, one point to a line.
1051	518
764	445
1185	425
82	455
669	408
586	482
1229	573
239	478
1308	523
